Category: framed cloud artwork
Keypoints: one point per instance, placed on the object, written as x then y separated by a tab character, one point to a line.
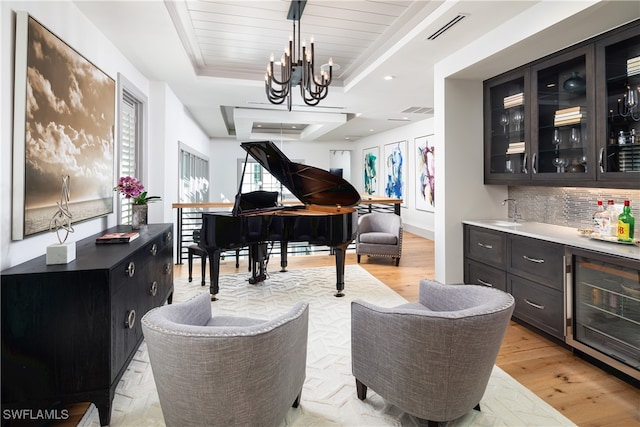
371	168
64	123
395	170
425	173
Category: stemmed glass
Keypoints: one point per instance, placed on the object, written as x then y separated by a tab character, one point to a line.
557	137
560	164
518	119
575	137
504	121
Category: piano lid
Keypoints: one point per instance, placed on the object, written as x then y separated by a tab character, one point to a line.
309	184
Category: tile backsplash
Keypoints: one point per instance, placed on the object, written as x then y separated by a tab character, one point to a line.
569	206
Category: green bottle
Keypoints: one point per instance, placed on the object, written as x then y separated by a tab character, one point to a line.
626	223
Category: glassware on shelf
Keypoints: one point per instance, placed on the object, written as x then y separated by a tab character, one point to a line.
508	167
518	117
628	105
575	137
560	163
557	137
504	121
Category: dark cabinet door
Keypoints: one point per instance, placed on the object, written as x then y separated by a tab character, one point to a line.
507	129
563	125
618	114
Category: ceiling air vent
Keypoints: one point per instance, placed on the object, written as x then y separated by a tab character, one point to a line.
418	110
446	26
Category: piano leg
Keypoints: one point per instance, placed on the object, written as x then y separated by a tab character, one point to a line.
214	271
258	258
340	252
283	256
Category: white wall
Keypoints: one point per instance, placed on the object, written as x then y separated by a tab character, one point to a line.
415	221
169	122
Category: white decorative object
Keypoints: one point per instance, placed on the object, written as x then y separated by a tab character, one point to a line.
64	252
61	253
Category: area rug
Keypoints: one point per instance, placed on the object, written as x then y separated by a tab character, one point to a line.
329	393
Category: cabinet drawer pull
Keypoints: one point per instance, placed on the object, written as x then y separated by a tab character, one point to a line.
482	282
484	245
131	269
538	306
130	320
154	289
167	268
524	163
169	237
536	260
154	249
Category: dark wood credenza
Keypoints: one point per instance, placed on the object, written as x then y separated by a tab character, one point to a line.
69	331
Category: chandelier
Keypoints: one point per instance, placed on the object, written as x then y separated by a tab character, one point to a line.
297	66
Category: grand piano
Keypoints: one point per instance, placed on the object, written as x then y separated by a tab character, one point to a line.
327	216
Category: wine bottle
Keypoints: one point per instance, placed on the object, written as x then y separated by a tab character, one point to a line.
612	213
626	223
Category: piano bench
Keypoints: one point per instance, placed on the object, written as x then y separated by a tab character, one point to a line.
197	250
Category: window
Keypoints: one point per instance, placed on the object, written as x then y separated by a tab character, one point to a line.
257	177
132	115
194	176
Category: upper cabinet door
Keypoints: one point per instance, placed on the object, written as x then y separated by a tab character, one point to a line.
506	128
563	125
618	77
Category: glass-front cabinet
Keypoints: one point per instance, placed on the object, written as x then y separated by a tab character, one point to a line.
563	130
603	309
619	106
571	118
507	154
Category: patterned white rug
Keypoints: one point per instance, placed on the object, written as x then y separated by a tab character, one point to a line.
329	394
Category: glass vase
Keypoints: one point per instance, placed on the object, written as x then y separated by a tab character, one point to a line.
139	216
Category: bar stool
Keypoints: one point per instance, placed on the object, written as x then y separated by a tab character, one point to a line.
195	249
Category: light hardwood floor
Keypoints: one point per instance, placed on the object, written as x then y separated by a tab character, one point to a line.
584	393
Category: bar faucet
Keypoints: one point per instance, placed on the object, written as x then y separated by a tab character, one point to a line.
516	215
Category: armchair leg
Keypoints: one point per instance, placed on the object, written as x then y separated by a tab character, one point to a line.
296	402
358	259
397	261
361	390
477	407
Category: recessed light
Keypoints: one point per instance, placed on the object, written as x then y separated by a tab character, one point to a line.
389	77
370	130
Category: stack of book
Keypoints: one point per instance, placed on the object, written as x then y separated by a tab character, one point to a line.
569	116
514	100
633	66
122	237
515	148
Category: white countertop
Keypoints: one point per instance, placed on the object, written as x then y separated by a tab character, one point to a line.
567	236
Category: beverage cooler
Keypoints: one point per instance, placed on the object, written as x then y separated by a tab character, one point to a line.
603	308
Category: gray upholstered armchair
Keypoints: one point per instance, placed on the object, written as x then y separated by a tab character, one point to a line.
379	234
222	370
431	358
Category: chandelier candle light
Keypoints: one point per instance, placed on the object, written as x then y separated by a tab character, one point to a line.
297	67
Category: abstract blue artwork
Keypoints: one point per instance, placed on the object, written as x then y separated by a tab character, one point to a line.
395	170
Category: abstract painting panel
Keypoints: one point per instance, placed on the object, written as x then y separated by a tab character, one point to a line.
371	167
425	173
395	168
64	125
